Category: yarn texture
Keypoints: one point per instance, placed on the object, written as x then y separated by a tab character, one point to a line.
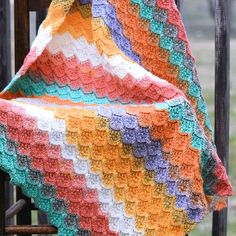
105	126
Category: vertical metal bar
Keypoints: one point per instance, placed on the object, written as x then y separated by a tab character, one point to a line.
5	43
22	46
222	98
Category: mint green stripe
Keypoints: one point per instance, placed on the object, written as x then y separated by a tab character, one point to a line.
26	86
20	177
189	125
176	58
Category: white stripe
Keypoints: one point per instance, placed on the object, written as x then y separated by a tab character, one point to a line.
84	51
42	40
56	128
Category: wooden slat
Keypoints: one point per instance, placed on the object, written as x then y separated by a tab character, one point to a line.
5	43
2	203
5	71
32	229
37	5
14	209
222	98
43	220
22	43
24	216
9	198
40	16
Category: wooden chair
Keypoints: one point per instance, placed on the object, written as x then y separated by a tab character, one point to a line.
23	207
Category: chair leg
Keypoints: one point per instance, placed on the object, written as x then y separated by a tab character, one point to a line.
2	203
42	220
9	197
24	216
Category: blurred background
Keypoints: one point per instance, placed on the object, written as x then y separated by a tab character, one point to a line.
199	22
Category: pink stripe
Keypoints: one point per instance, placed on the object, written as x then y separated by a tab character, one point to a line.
57	171
77	75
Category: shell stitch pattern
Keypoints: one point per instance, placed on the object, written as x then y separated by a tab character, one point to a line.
105	126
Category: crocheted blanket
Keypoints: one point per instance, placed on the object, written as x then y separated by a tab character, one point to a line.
105	126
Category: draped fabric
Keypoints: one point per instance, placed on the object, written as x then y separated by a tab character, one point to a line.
105	125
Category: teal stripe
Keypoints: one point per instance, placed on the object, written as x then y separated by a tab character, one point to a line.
176	58
26	86
20	177
181	111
